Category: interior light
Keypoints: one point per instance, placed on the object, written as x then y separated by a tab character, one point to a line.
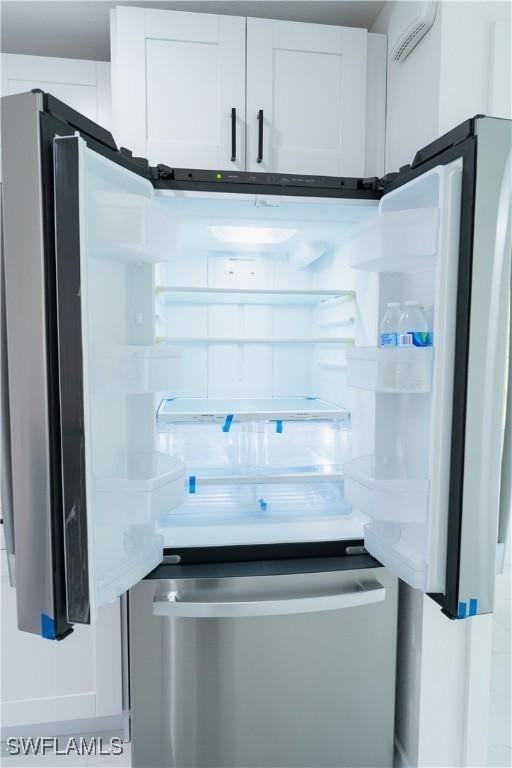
252	235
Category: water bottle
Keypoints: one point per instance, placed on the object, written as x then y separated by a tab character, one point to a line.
389	325
413	331
413	327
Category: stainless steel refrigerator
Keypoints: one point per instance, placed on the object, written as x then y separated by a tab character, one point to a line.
199	411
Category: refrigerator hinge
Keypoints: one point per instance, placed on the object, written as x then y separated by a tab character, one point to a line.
372	183
160	171
359	550
456	136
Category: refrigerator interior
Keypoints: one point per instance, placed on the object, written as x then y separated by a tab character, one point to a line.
236	391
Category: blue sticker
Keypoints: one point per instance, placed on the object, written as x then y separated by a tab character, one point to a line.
462	611
279	426
308	397
227	424
473	605
48	627
263	505
192	484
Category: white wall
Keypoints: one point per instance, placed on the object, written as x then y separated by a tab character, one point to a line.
412	87
475	61
461	68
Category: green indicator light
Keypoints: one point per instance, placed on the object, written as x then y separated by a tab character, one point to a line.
218	175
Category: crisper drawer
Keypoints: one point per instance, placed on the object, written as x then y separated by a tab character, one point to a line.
268	433
257	444
261	510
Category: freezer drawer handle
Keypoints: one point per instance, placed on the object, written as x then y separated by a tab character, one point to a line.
233	134
364	593
259	159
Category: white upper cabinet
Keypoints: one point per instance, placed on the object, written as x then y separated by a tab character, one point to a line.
314	94
310	82
83	85
177	77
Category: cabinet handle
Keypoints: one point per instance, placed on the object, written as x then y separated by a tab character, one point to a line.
233	134
260	136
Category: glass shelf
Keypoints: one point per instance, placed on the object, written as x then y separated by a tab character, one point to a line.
205	409
191	295
398	241
257	340
387	488
390	369
250	475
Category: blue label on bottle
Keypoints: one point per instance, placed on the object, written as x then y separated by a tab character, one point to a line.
388	339
416	339
422	338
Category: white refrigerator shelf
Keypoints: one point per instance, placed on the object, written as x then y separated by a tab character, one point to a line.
390	369
396	241
134	369
390	545
140	487
262	514
192	295
386	488
250	476
257	340
204	409
241	503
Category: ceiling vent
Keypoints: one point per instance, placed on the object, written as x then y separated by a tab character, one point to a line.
417	28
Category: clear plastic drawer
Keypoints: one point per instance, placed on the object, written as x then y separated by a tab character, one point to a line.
275	445
228	513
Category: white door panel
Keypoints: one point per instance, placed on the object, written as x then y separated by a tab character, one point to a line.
177	77
83	85
115	484
310	82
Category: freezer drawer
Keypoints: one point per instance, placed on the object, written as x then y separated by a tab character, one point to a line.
301	689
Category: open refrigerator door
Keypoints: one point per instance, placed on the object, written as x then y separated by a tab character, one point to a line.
432	486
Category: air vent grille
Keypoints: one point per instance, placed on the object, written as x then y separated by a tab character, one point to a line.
414	31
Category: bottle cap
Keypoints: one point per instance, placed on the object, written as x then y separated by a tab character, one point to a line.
393	303
412	303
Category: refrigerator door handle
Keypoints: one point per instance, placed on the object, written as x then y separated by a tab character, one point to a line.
365	592
505	510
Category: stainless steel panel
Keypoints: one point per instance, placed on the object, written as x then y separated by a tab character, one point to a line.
487	369
506	459
5	426
27	365
310	690
209	598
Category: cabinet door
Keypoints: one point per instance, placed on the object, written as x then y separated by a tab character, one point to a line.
309	80
177	77
83	85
